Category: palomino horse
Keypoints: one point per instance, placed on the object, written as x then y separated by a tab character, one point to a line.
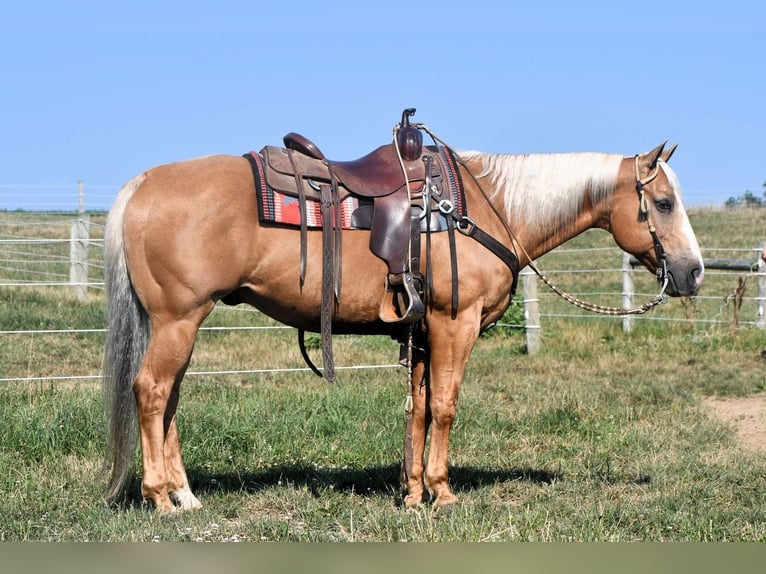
182	236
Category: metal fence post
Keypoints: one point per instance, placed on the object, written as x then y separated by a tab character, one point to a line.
531	310
78	255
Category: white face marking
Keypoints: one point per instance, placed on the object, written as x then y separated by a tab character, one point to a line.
686	227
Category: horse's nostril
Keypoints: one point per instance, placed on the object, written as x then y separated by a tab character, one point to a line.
695	279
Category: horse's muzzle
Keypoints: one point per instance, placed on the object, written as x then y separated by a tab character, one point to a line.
685	280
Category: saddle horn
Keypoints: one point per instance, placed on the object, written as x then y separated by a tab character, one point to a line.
409	138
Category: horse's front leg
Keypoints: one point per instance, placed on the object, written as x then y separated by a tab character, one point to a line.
416	430
451	343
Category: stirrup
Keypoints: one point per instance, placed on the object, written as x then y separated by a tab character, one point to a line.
401	304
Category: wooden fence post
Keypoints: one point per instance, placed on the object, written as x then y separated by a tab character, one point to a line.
627	292
531	310
760	301
78	255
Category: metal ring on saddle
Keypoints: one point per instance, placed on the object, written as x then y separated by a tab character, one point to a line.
446	207
465	225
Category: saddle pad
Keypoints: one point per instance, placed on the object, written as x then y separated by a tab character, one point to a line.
279	209
276	208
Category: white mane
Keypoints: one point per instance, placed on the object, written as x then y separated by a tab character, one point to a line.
547	190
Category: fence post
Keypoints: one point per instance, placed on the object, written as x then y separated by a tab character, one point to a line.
531	310
78	255
80	197
627	292
760	301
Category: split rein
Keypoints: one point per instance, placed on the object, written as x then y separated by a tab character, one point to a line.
644	215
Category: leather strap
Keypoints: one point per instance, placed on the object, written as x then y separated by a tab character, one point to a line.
302	214
414	265
429	286
337	226
467	226
326	310
305	354
453	264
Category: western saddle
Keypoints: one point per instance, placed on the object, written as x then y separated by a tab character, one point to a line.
400	189
392	176
395	177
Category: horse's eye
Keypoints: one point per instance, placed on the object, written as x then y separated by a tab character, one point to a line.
663	205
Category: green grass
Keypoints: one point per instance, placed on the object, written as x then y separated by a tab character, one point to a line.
600	436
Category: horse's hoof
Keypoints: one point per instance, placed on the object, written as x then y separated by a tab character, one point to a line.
184	499
411	502
415	499
164	511
445	502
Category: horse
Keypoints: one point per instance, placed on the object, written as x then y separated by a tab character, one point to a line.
182	236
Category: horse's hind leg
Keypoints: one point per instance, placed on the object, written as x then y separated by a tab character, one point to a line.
178	484
156	388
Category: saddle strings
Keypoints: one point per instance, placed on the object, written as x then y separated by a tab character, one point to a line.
585	305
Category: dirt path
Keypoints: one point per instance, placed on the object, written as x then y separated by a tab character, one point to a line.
746	414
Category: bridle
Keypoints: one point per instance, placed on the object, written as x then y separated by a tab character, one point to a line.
643	215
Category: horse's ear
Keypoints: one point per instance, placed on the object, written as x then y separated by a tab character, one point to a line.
649	159
665	156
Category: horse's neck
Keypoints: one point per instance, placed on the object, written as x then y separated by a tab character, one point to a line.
541	238
548	199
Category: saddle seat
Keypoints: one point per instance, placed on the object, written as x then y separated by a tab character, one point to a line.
376	174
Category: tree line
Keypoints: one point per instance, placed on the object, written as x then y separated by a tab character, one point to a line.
747	199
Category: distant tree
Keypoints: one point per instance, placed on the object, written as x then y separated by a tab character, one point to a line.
747	199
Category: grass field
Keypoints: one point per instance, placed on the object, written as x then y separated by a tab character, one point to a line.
600	436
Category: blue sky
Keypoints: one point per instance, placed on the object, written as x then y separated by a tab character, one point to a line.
100	91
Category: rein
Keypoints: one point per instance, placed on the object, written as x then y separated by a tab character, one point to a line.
662	270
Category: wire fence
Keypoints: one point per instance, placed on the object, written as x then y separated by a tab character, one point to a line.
62	253
82	196
63	197
733	296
